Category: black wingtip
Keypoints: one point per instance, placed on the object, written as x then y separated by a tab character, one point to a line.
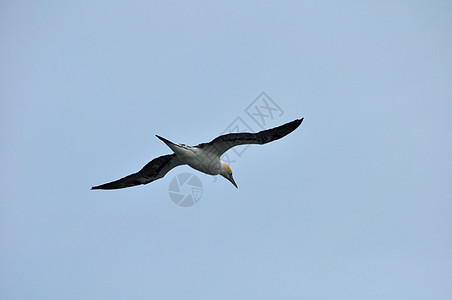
106	186
296	122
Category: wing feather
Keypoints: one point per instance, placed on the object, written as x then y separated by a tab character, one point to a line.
225	142
155	169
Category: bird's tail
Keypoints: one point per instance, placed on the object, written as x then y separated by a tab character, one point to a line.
168	143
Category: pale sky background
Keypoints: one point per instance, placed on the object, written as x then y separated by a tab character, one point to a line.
355	204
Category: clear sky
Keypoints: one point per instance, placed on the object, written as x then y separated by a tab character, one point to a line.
355	204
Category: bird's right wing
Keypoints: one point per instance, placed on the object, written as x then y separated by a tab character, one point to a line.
154	170
225	142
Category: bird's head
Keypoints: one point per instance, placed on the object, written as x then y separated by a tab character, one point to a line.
226	172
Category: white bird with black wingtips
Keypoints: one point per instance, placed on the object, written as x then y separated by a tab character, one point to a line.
204	157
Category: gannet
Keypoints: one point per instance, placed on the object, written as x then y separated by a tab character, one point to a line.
204	157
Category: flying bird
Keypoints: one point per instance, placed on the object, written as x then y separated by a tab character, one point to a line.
204	157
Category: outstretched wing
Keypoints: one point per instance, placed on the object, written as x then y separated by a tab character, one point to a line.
154	170
225	142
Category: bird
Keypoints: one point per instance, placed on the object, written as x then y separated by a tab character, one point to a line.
204	157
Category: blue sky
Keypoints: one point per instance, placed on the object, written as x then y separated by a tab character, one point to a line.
355	204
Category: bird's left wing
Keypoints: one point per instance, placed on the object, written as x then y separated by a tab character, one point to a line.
225	142
155	169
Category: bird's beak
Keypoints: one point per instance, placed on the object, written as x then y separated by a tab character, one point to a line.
231	179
